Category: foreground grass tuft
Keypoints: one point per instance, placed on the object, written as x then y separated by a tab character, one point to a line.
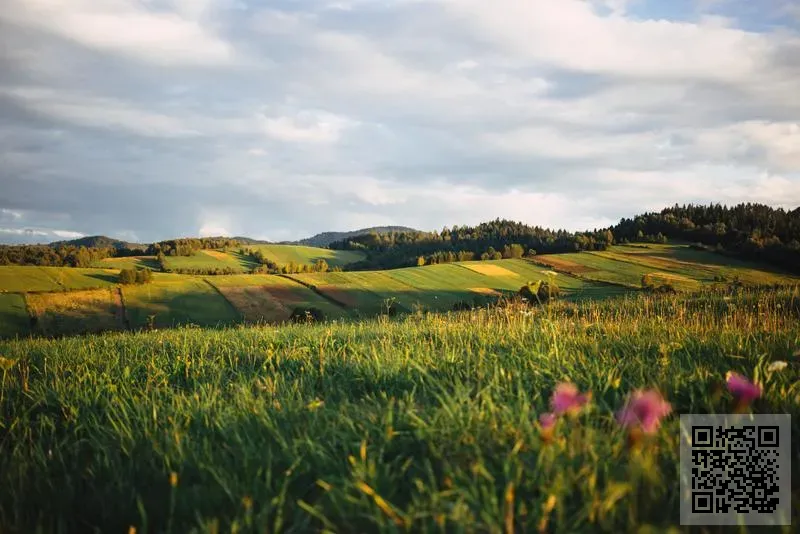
425	423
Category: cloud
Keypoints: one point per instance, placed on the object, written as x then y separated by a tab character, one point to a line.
282	119
306	126
125	27
95	112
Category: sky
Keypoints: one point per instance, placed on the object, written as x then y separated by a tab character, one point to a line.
154	119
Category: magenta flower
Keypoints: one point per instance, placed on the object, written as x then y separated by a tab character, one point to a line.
741	388
567	399
547	420
644	409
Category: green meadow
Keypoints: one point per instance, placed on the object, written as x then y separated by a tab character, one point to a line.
300	255
420	423
174	299
24	279
211	259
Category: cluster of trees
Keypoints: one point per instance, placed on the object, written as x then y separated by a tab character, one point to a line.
135	276
205	271
753	231
514	250
190	246
539	292
44	255
496	239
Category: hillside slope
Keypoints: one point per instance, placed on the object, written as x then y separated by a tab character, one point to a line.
97	241
326	238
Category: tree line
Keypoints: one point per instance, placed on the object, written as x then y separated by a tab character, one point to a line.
751	231
47	256
491	240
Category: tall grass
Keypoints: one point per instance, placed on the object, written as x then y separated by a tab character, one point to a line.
423	423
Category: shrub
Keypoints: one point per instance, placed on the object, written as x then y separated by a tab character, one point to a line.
540	291
135	276
127	276
462	306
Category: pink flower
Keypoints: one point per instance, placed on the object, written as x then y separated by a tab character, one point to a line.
567	399
547	420
741	388
644	409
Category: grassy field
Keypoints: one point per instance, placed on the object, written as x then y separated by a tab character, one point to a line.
173	299
424	424
20	279
76	312
270	298
211	259
440	287
284	254
131	262
683	267
14	318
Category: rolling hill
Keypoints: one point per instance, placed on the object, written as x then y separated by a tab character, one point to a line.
326	238
36	299
98	241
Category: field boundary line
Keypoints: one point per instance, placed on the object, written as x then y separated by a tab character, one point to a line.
126	322
579	277
221	294
315	290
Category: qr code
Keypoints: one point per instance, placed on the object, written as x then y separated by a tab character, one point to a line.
735	469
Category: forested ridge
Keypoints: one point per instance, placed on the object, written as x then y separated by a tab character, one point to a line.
752	231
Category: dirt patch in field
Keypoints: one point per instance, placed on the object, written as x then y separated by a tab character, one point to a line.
342	296
485	291
77	311
564	265
490	270
287	295
256	304
216	254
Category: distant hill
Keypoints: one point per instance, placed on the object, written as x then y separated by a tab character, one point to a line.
250	241
326	238
98	241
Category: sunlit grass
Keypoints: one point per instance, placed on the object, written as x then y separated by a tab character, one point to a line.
421	423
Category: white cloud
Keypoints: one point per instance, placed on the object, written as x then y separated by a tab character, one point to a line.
96	112
125	27
570	34
306	127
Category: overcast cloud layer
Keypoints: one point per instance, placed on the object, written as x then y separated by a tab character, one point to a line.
152	119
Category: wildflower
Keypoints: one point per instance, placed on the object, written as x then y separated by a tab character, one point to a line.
547	424
547	420
567	399
644	410
777	365
743	389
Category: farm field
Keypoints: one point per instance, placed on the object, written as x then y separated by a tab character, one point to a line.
299	254
176	299
179	299
14	318
425	423
76	312
211	259
131	262
679	265
440	287
270	298
21	279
